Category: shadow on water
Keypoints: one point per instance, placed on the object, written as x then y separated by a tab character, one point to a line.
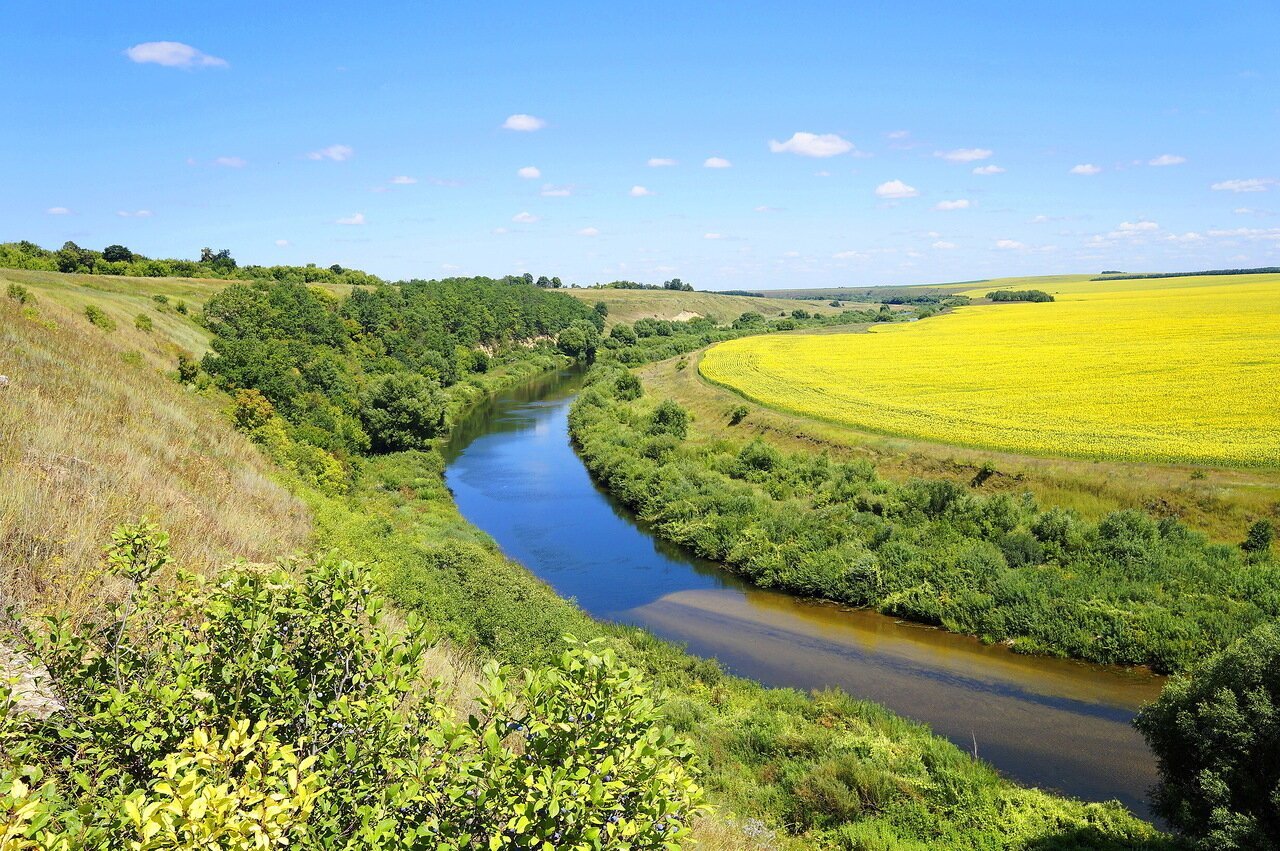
1053	723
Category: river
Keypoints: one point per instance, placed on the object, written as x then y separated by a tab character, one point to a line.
1053	723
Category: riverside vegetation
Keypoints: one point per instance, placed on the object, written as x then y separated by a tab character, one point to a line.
1128	589
819	770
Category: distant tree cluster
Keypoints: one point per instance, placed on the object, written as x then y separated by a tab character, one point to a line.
120	260
366	372
673	284
1019	295
1128	276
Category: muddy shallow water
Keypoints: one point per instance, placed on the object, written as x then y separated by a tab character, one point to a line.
1053	723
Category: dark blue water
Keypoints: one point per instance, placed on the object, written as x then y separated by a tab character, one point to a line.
1048	722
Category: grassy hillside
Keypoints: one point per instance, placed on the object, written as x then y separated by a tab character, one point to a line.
93	433
630	305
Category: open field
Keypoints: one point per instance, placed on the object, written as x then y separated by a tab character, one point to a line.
970	288
630	305
1170	372
1219	501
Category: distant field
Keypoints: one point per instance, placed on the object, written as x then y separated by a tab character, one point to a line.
630	305
969	288
1172	370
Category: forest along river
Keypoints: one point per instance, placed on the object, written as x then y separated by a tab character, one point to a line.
1051	723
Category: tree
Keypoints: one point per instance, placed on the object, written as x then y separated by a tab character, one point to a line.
623	333
669	418
73	258
544	282
220	261
117	254
402	410
556	283
579	340
677	284
1259	537
1215	732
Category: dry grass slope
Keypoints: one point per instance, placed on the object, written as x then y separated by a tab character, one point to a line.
93	433
630	305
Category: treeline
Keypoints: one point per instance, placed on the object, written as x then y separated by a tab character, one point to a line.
1128	589
320	379
1127	276
1019	295
648	340
673	284
120	260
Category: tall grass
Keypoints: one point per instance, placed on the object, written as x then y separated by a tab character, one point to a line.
92	434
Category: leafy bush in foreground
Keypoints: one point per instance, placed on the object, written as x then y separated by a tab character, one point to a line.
1216	734
272	708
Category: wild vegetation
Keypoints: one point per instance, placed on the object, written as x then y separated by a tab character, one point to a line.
828	770
1120	370
1128	589
119	260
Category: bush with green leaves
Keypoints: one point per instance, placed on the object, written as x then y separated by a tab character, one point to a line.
143	323
95	315
1215	732
20	294
271	706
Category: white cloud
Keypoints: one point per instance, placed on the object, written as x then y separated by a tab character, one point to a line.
716	162
173	54
1009	244
1189	236
230	162
849	255
812	145
1086	169
1167	159
958	204
964	155
498	231
354	219
765	208
136	214
530	172
337	153
1252	184
639	192
822	174
525	218
988	169
896	189
58	211
282	243
403	180
523	123
1137	227
713	236
589	232
1040	219
550	191
943	245
898	134
1239	211
660	162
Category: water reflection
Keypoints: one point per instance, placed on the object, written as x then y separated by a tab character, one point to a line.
1049	722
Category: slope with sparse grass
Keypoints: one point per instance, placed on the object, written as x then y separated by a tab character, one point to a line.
630	305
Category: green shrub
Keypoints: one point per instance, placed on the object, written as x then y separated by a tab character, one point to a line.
738	414
669	418
143	322
272	708
1259	538
188	368
95	315
20	294
1215	732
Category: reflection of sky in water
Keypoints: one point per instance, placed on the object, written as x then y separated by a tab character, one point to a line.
1051	722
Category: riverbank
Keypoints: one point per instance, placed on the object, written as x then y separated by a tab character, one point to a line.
1130	589
826	770
1048	722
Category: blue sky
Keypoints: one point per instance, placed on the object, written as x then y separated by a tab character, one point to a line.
936	141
